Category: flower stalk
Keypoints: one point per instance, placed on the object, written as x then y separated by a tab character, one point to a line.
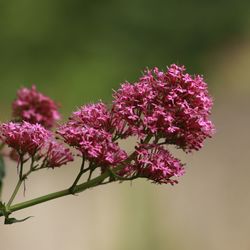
77	189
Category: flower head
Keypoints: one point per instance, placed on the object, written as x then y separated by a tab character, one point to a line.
172	105
93	143
34	107
24	137
155	163
88	130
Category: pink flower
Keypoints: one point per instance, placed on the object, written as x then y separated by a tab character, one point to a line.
172	105
57	155
93	143
129	103
34	107
88	130
157	164
24	137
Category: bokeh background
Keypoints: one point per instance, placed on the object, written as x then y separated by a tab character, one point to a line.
77	52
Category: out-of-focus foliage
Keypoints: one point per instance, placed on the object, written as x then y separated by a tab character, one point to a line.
79	50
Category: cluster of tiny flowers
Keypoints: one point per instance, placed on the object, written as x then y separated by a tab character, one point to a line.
25	138
33	139
157	164
34	107
172	105
88	131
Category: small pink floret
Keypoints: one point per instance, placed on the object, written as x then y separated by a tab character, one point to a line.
57	155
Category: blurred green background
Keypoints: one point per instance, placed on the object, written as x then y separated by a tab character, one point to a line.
77	52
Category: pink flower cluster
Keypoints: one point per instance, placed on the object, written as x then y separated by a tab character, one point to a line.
161	108
34	107
34	140
172	105
157	164
88	130
24	137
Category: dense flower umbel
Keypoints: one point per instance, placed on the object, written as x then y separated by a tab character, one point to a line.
34	107
57	155
24	137
88	131
172	105
155	163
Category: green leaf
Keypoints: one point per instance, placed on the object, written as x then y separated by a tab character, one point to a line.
9	221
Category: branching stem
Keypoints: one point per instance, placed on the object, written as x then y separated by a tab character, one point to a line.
77	188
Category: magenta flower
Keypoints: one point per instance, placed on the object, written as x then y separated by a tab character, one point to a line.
172	105
93	143
88	131
57	155
24	137
34	107
155	163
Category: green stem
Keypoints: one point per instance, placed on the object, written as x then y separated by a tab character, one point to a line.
121	178
78	188
22	177
78	177
21	167
19	183
15	192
